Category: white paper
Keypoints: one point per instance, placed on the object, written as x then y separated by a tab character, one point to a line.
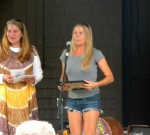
19	75
17	72
21	78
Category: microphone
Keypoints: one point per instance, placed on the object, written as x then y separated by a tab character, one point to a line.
68	44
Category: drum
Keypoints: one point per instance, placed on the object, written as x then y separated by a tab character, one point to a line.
103	127
109	126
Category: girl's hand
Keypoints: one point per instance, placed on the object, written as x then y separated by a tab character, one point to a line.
89	85
8	78
64	87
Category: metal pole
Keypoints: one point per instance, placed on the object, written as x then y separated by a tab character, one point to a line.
60	99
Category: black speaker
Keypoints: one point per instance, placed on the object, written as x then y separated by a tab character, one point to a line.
138	130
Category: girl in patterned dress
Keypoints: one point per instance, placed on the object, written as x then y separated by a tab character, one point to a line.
18	102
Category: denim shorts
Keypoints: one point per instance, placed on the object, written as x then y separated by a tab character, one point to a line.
84	104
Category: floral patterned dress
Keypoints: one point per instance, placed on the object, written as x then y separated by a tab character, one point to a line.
18	101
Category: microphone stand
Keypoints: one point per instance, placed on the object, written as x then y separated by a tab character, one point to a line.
60	99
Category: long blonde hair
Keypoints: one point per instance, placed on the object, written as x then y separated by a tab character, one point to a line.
26	48
88	52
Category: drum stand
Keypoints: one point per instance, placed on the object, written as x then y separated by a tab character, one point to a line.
60	111
60	99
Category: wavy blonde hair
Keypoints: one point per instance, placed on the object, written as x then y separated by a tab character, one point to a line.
26	48
88	52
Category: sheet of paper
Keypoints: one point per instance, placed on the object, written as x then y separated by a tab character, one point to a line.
19	75
22	77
